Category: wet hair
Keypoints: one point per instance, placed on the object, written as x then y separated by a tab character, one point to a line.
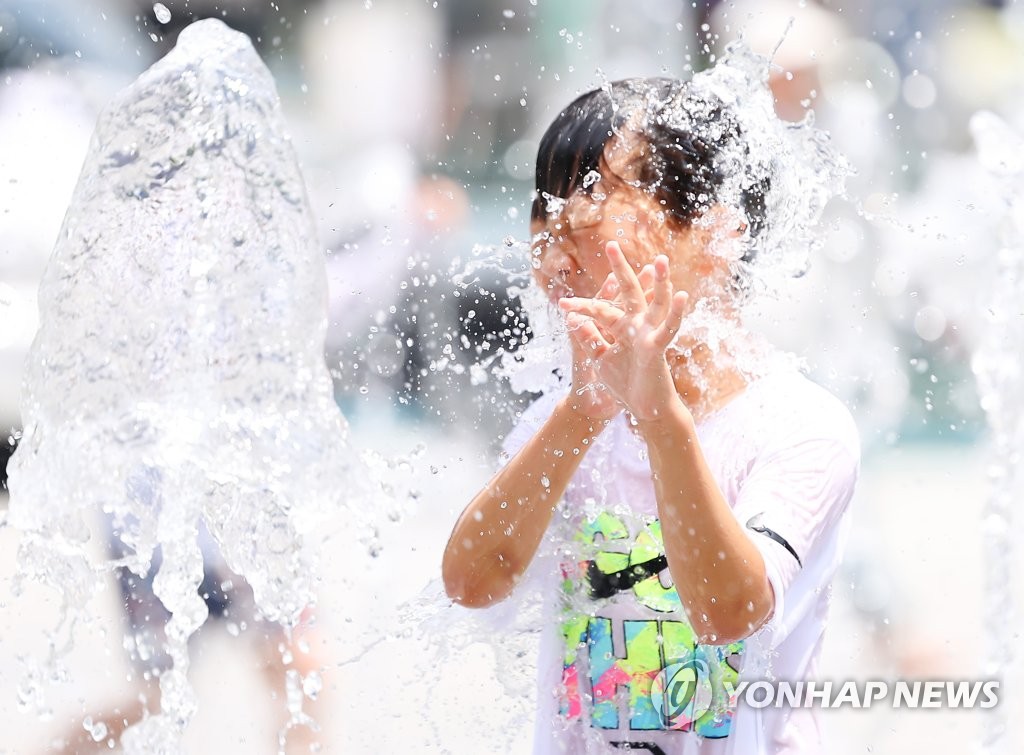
682	135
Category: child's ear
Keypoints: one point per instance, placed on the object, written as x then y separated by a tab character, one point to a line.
622	155
725	228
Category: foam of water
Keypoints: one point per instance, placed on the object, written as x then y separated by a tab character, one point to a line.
178	376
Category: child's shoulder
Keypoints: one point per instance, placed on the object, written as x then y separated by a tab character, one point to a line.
797	405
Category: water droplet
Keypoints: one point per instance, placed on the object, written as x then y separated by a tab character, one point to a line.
163	15
97	730
312	684
508	13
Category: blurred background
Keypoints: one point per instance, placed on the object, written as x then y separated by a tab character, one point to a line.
416	123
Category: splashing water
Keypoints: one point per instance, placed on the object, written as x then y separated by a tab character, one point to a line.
796	159
177	377
162	13
804	172
1000	376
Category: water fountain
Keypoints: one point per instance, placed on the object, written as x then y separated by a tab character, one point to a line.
1000	376
177	378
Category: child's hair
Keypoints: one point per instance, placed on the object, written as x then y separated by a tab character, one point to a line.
683	138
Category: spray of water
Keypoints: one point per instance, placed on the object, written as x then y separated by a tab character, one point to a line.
1000	375
804	172
177	377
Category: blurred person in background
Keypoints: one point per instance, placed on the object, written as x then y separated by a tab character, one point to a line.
231	607
403	335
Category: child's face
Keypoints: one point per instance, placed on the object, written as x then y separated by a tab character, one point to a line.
570	245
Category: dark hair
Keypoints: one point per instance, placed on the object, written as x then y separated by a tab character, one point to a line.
683	134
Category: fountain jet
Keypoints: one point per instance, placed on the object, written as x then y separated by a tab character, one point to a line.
177	376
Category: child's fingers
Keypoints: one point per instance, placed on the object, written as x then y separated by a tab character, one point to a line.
662	293
668	329
609	288
586	333
604	312
646	278
632	294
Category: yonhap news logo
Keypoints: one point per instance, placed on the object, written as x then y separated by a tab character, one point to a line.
684	692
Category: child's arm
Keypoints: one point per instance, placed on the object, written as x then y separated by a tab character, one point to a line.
717	569
498	534
718	572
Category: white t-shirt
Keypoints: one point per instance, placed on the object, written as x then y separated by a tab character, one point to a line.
617	644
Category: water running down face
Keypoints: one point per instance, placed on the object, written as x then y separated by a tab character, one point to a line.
569	243
641	162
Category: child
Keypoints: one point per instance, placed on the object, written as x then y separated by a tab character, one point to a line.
702	490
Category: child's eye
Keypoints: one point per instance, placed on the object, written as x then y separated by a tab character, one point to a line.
582	211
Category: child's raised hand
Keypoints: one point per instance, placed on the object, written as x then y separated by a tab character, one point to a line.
589	396
623	341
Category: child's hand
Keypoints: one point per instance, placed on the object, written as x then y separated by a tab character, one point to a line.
589	396
623	341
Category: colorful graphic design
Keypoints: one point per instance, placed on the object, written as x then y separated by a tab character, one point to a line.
617	647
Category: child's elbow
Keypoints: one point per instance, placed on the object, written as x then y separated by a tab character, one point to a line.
468	595
471	598
725	633
462	588
736	622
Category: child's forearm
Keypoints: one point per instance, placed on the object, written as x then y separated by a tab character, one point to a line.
717	570
498	534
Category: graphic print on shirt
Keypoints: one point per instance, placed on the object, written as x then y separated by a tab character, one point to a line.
628	646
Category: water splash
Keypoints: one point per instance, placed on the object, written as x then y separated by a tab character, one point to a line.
177	376
1000	375
543	361
796	160
162	13
803	171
